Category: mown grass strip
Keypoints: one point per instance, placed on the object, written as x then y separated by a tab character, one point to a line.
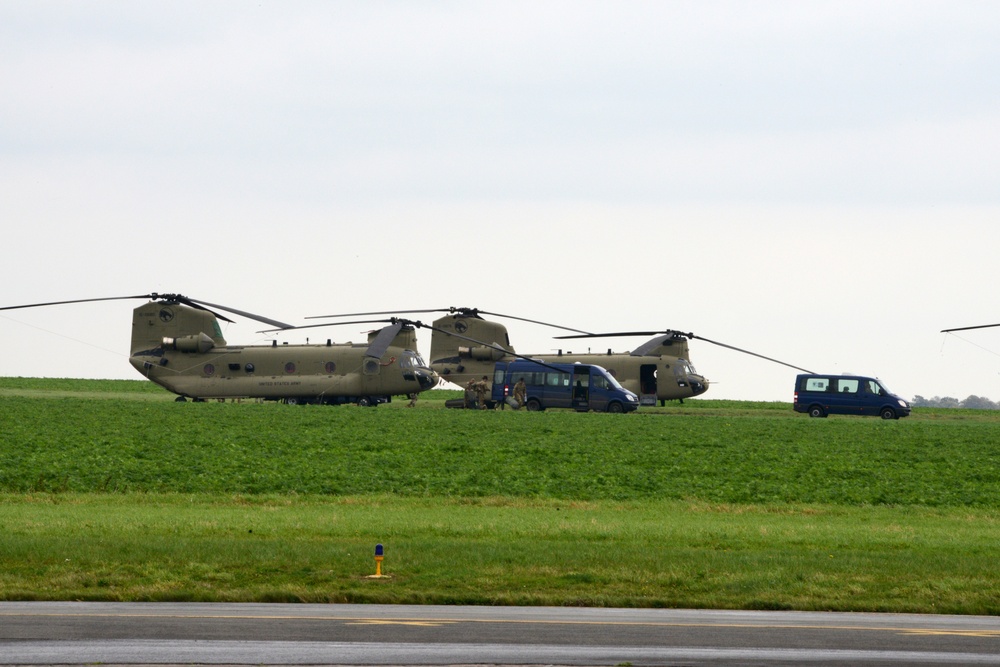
498	551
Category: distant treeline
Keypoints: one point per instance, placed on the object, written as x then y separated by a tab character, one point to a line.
973	402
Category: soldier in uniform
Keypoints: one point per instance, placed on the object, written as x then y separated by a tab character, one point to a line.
520	393
481	388
470	393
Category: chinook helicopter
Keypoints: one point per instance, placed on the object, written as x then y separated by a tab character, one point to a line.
657	370
178	344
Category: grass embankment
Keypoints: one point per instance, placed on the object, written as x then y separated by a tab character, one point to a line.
709	504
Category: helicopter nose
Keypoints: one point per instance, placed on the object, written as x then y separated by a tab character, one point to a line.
427	379
698	386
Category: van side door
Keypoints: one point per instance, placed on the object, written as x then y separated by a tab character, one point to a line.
847	397
581	388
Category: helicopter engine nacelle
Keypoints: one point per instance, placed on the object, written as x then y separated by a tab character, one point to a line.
201	343
481	353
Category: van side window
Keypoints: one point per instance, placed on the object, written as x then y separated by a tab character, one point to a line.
817	384
600	382
874	388
847	386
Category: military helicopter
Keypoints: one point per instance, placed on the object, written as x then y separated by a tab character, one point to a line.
658	369
178	344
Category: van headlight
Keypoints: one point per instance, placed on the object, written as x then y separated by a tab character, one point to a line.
902	402
633	399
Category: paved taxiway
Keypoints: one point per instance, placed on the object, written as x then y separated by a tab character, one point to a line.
63	633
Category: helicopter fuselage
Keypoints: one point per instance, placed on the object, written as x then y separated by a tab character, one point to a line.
334	373
653	375
182	349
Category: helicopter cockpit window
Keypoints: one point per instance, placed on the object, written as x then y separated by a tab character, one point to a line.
683	368
412	360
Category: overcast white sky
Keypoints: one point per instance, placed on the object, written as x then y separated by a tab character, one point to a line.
815	181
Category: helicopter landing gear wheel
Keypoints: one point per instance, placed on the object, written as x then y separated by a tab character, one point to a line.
180	399
365	402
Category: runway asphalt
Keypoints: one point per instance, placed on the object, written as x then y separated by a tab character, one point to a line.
78	633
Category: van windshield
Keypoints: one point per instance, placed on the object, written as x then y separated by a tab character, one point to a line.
605	381
874	387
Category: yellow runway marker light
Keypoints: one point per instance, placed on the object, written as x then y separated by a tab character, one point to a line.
379	555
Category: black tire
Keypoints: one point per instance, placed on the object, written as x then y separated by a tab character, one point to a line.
888	413
615	407
180	399
533	405
817	411
292	400
365	402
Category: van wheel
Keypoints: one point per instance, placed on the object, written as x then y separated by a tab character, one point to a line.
533	405
615	407
816	411
888	413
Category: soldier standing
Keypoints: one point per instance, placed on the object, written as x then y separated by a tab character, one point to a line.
481	388
470	393
520	393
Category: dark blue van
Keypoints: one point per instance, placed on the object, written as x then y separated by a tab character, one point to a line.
581	387
822	395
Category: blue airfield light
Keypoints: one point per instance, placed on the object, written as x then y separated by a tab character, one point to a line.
378	551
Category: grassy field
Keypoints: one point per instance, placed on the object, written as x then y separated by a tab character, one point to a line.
112	491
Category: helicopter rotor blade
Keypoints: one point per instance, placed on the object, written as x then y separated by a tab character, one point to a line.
382	312
614	334
690	336
383	339
525	319
243	313
178	298
59	303
454	310
980	326
754	354
325	324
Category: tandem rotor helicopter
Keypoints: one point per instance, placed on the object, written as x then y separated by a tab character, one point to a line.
657	370
178	344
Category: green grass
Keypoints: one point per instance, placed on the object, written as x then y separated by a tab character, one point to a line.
498	551
705	504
